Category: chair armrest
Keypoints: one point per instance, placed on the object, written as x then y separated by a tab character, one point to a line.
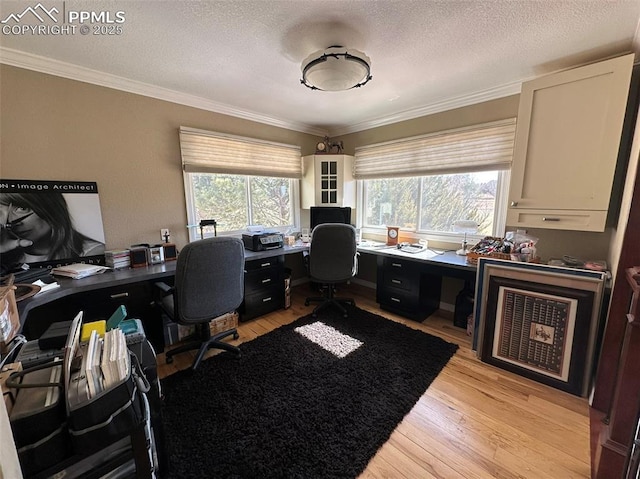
164	289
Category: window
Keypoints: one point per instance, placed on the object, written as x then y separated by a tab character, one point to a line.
430	204
236	201
239	181
425	183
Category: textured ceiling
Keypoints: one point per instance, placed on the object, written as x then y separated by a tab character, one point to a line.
243	57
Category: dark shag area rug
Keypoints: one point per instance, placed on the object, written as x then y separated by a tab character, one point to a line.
288	408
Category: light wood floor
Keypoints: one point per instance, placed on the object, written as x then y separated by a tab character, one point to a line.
474	421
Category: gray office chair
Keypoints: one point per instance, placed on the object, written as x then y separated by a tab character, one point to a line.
209	282
332	260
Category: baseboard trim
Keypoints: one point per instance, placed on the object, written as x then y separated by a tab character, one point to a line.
362	282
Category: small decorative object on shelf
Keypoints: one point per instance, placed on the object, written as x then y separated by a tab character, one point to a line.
392	235
329	146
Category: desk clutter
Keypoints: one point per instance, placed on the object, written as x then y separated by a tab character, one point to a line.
78	270
89	401
140	255
515	246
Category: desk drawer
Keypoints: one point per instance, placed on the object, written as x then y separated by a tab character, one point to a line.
263	264
399	278
407	288
261	303
100	304
260	280
399	299
399	274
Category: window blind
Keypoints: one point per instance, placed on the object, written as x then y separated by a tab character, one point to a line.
210	152
484	147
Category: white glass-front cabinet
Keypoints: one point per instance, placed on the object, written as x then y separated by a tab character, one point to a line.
566	147
327	180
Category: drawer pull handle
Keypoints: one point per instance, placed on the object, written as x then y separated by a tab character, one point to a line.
266	300
395	299
264	265
396	281
546	218
397	265
267	280
120	295
514	204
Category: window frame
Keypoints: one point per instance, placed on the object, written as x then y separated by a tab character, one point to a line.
499	220
193	222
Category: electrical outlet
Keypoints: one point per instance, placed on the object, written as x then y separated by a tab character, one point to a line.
165	235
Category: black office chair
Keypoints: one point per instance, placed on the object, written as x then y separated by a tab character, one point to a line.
209	282
332	260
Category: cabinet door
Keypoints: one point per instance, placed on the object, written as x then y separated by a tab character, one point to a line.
328	181
567	139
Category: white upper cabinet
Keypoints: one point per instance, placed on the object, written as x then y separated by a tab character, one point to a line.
567	140
327	180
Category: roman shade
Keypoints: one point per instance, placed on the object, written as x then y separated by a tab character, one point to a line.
210	152
483	147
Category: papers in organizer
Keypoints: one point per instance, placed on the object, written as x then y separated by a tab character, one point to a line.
115	358
79	270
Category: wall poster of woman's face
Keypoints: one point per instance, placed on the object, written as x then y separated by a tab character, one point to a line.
49	223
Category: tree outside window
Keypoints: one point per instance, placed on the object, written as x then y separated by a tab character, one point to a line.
432	203
236	201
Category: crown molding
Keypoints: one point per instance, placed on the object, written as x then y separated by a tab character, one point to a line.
473	98
50	66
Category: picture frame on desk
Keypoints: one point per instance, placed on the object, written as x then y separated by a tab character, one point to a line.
538	321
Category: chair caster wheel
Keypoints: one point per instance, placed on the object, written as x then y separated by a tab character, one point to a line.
168	359
236	335
306	303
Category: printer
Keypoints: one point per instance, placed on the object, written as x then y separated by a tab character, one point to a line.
262	240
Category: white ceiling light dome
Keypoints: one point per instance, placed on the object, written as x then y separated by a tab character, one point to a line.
336	69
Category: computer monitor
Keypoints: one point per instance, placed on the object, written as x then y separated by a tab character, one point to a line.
329	214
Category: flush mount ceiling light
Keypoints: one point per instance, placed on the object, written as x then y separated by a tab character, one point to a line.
336	69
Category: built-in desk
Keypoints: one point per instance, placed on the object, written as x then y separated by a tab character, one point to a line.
410	284
446	262
98	296
413	289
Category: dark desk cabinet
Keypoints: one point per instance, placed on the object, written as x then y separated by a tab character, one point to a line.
263	287
404	288
100	304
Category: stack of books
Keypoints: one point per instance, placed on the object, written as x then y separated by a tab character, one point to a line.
115	358
105	361
92	369
78	270
117	258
